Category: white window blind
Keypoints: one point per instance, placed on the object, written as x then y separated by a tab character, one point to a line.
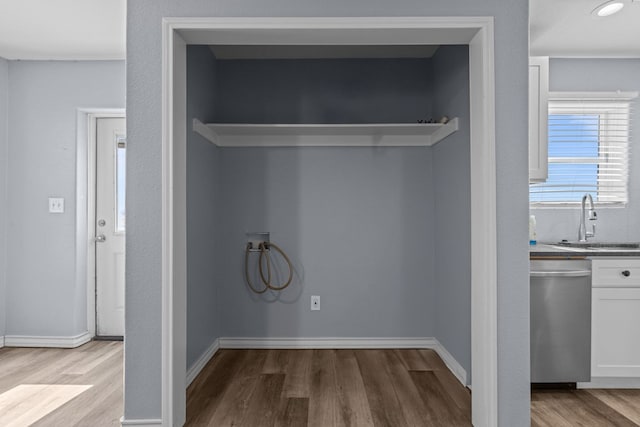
588	149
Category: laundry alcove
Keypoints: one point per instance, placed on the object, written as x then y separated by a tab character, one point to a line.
376	222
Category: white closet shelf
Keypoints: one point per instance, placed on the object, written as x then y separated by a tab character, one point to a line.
327	135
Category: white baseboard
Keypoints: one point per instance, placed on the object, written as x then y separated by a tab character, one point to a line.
39	341
610	382
146	423
199	364
1	341
456	368
325	342
340	343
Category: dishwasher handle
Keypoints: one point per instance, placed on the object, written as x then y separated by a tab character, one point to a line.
560	273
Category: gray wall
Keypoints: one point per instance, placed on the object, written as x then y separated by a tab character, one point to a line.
144	107
324	91
43	296
614	224
358	224
306	182
4	140
451	161
356	221
203	210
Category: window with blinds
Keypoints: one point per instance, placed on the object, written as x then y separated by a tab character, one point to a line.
588	149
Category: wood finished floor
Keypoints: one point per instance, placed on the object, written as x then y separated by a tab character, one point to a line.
326	388
297	388
597	408
97	363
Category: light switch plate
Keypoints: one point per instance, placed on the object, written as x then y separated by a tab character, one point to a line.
56	205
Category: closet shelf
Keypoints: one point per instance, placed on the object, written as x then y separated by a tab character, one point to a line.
327	135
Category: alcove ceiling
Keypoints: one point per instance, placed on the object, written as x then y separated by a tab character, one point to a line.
321	51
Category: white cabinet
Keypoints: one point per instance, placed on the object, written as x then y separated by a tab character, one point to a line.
538	117
615	318
615	273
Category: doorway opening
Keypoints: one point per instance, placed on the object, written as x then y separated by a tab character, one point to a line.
101	217
477	33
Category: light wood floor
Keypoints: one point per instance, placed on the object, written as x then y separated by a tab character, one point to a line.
569	408
327	388
281	388
44	387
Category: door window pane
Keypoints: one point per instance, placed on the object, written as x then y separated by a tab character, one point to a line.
121	166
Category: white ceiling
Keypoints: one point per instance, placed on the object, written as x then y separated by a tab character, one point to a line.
95	29
567	28
62	29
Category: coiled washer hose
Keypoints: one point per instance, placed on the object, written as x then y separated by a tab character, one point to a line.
266	281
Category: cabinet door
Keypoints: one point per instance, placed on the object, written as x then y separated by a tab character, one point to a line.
538	117
615	334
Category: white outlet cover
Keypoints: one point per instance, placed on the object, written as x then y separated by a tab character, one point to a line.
56	205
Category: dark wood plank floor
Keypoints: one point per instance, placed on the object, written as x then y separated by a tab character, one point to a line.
97	364
597	407
327	388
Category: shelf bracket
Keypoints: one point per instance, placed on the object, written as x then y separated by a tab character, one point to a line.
206	132
450	127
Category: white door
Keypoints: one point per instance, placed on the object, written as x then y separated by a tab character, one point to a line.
110	225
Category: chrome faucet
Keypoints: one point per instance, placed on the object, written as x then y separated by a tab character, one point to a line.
583	234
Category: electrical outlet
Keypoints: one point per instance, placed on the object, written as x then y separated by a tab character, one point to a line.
56	205
315	302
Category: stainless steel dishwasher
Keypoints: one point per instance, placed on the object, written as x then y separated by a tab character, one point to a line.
560	298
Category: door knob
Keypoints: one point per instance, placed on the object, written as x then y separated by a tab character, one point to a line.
100	238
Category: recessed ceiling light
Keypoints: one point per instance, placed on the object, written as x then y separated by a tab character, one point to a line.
608	8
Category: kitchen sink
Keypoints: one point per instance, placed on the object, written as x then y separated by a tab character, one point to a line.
600	246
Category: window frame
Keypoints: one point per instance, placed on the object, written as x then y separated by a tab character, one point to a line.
603	105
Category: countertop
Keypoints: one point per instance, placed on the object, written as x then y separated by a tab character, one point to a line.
553	250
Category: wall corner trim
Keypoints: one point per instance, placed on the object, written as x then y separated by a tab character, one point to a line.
202	361
47	341
141	422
